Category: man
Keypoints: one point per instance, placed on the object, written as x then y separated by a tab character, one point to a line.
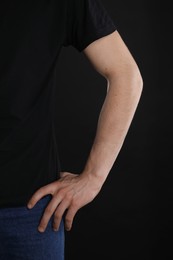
33	190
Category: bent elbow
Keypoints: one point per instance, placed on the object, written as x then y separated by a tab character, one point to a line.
137	80
128	78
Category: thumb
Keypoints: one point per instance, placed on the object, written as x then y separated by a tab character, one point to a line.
63	174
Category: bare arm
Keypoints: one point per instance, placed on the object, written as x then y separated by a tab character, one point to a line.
111	58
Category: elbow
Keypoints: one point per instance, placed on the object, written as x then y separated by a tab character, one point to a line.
139	84
136	81
138	78
129	79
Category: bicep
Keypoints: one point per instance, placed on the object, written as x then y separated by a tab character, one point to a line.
109	55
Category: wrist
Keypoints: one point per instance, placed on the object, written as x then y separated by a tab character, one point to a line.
96	178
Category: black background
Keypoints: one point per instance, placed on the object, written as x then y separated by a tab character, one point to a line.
131	217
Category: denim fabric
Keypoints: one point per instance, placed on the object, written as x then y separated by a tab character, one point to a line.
20	238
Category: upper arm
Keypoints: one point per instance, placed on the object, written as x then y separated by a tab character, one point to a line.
109	55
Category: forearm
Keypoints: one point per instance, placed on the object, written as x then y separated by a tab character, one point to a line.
114	121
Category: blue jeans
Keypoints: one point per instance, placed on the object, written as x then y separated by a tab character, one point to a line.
20	239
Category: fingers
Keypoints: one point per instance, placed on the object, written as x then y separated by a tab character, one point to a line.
48	212
70	217
62	200
47	189
59	213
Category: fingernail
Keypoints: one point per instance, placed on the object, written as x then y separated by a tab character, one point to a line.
67	228
40	229
55	229
29	206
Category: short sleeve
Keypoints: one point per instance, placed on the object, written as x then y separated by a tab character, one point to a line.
86	21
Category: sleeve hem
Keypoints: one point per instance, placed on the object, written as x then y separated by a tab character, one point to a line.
93	37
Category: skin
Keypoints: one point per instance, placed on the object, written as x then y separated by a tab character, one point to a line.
110	57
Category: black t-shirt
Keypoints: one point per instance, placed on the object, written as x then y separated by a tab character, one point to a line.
32	34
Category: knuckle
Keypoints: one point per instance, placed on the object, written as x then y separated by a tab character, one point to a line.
48	211
43	223
74	204
68	196
57	217
68	219
36	196
61	193
52	191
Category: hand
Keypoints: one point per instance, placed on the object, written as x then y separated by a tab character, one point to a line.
69	193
